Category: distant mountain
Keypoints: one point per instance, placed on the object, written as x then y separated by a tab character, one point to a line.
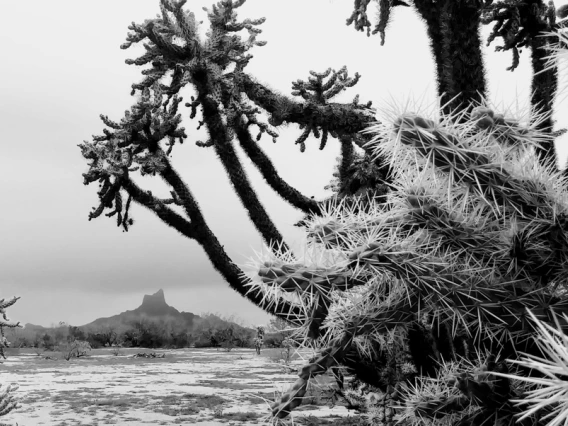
153	308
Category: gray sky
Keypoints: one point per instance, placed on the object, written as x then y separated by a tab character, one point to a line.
62	67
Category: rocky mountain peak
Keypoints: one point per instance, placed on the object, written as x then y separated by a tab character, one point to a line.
155	304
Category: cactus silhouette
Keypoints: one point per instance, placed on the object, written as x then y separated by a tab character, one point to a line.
473	235
442	236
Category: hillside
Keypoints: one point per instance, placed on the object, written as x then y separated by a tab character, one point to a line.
153	308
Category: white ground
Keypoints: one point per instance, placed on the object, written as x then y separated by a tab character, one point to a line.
103	389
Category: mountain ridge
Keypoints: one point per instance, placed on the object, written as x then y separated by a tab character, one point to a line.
154	308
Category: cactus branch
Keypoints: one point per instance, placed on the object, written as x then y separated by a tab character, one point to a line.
266	168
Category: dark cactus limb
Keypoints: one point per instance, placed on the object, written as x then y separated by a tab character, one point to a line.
327	358
347	156
225	151
463	346
268	171
444	341
343	119
453	29
430	13
422	346
366	371
543	90
234	276
467	71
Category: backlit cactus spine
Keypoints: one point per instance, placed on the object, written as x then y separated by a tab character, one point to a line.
474	234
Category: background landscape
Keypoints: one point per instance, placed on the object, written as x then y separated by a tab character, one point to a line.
153	324
67	68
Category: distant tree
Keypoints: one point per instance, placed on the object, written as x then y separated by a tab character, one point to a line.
278	331
243	337
37	340
48	342
225	338
130	338
76	333
75	349
108	335
61	333
180	339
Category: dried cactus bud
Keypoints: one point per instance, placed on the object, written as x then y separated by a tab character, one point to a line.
499	119
413	120
481	111
272	272
312	274
562	11
485	122
290	268
484	117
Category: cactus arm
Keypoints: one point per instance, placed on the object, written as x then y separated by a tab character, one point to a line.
266	168
543	90
430	13
224	149
336	117
234	276
8	401
347	154
167	215
7	303
327	358
9	324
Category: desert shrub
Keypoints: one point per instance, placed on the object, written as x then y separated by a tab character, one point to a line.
203	343
224	338
74	349
272	340
48	342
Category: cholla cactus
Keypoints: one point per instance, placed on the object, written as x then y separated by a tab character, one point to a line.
259	339
6	323
8	401
551	391
474	233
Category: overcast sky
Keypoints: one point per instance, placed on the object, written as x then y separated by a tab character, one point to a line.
62	67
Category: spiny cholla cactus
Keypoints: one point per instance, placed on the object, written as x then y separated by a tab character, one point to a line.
551	391
8	401
474	233
6	323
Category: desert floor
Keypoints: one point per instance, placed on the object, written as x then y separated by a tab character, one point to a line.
189	386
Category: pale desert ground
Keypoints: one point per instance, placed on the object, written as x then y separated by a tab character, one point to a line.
206	387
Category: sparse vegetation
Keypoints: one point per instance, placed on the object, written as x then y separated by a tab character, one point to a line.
74	349
102	385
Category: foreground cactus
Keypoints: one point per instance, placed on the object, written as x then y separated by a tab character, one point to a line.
551	391
474	234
